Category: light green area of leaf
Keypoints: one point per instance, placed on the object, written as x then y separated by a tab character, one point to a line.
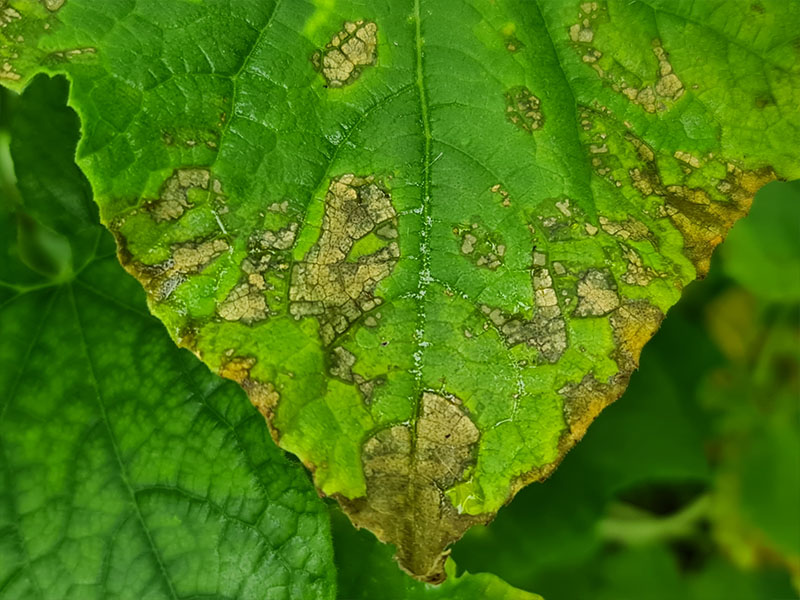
127	470
545	177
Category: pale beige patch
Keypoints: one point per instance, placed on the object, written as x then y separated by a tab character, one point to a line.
597	294
325	284
523	109
348	52
174	200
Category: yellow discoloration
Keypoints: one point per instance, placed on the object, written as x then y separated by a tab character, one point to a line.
237	368
407	469
632	324
325	284
348	52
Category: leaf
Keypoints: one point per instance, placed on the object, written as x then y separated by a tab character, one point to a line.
428	240
127	470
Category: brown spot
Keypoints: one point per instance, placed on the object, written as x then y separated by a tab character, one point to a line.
407	470
265	398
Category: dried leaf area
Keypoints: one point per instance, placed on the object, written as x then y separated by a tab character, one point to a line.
407	470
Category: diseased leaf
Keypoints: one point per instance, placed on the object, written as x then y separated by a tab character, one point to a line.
127	470
429	240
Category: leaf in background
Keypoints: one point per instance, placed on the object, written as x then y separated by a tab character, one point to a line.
762	252
429	241
754	511
127	470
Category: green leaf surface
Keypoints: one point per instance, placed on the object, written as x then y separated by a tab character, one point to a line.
429	240
127	470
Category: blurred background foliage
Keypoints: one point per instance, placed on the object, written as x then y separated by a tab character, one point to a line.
687	487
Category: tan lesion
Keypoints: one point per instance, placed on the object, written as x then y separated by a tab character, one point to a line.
173	200
187	258
524	109
546	330
597	294
348	53
325	284
483	248
53	5
408	468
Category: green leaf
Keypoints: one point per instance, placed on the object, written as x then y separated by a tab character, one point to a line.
127	470
428	240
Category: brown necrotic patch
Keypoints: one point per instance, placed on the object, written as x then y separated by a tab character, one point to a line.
348	53
704	200
524	109
341	363
327	285
408	468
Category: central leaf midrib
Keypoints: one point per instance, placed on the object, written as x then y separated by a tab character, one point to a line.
424	271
